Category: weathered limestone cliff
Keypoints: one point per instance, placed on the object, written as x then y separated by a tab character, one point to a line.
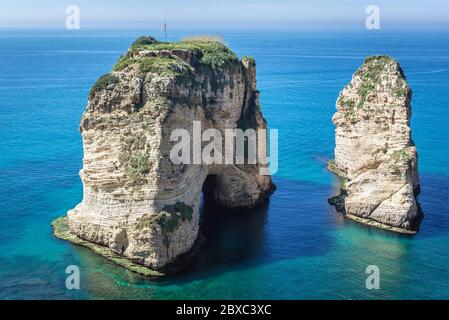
374	149
136	201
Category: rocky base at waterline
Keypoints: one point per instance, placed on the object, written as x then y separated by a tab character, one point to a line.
375	155
139	205
61	231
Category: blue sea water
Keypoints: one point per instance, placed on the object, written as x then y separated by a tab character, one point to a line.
294	247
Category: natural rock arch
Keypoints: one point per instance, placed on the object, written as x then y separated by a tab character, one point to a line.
135	200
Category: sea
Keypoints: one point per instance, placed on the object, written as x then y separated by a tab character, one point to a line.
295	246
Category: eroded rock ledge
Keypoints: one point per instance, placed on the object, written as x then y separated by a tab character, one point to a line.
375	154
136	201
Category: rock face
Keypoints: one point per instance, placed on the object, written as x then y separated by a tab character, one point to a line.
135	200
374	149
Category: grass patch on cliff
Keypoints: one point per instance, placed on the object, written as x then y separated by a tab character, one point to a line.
208	51
168	219
370	78
398	158
209	56
400	155
215	54
400	92
166	66
365	88
142	42
374	65
124	62
249	60
105	81
370	73
349	109
139	165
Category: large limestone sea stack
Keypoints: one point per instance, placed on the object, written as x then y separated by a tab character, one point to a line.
138	205
375	153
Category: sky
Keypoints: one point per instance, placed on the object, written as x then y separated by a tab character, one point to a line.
251	14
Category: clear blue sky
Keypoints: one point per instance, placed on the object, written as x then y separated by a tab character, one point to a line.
328	14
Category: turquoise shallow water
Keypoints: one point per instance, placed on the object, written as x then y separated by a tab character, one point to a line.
294	247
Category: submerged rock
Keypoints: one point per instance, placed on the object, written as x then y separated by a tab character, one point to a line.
374	149
136	201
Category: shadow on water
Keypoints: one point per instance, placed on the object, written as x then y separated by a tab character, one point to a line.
285	227
230	236
279	229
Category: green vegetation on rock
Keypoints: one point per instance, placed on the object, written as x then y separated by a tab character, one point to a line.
363	91
249	60
104	82
215	55
177	60
209	53
374	66
166	66
139	165
370	73
349	104
133	159
382	150
185	210
349	109
143	41
400	92
180	61
169	218
400	155
124	62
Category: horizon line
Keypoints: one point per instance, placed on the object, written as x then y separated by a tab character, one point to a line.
214	29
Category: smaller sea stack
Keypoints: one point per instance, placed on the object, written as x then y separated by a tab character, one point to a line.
375	154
